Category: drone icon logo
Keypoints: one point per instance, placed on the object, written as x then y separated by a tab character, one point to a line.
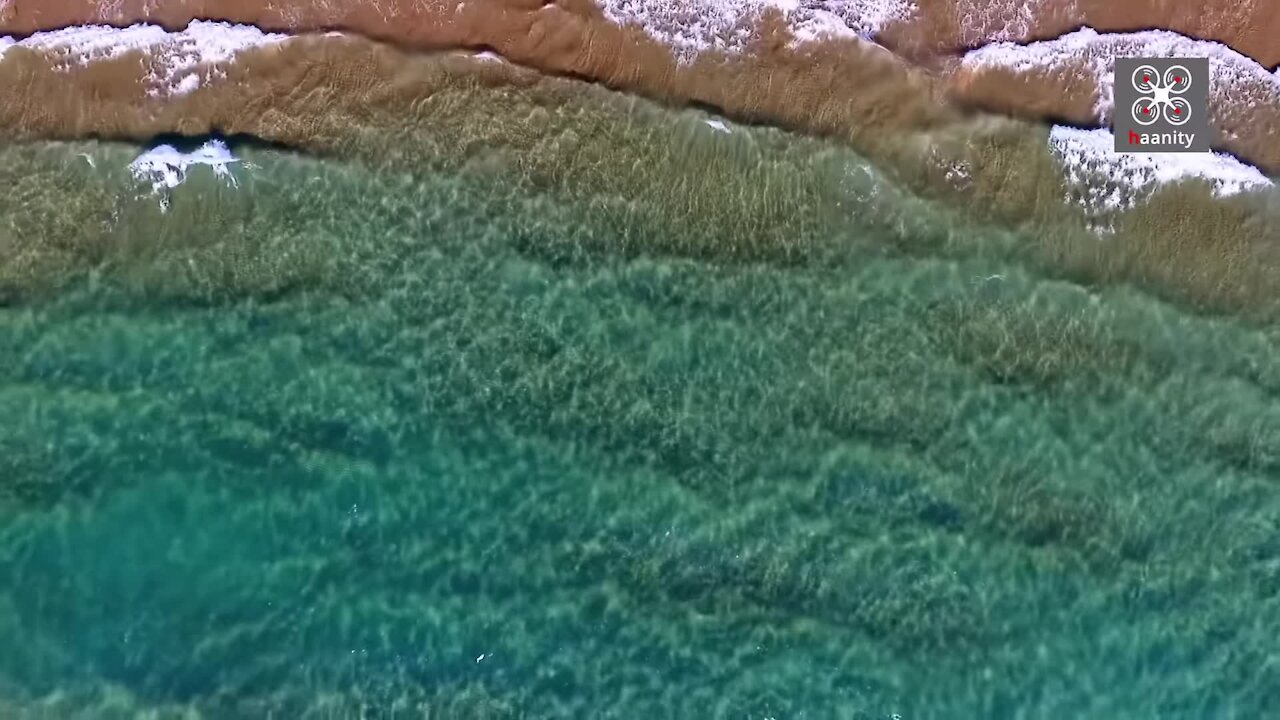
1161	104
1161	98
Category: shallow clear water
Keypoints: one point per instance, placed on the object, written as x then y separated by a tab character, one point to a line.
357	442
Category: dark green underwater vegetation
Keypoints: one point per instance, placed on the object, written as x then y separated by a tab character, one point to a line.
365	441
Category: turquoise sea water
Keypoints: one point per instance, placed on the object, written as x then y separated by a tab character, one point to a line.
351	441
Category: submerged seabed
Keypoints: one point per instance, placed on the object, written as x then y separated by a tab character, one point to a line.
356	440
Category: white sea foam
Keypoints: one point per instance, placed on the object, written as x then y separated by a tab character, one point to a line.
690	27
165	167
1238	81
81	45
1104	181
183	61
984	21
860	18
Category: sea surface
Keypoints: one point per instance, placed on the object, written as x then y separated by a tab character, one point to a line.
369	437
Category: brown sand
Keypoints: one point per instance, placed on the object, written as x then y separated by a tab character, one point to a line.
348	95
1244	116
1251	27
944	27
841	88
838	88
325	94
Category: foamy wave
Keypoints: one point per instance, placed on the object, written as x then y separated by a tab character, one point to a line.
183	60
691	27
165	168
860	18
1238	80
983	21
1105	181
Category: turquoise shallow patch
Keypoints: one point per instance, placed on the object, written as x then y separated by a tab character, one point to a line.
348	442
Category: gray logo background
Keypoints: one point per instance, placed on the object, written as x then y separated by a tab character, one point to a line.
1161	97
